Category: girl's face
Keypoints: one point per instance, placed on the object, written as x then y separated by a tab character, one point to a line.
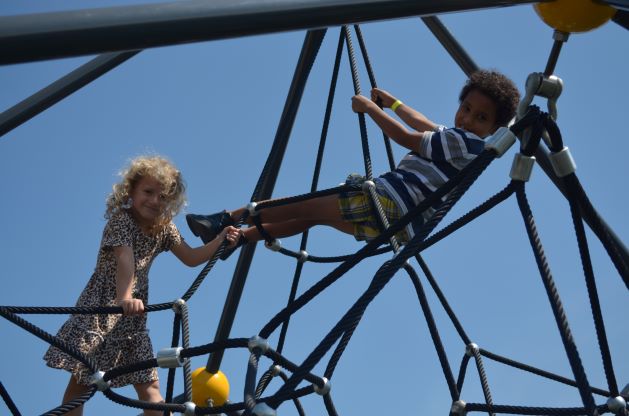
148	201
476	114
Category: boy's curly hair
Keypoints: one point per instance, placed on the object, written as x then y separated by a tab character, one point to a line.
158	168
497	87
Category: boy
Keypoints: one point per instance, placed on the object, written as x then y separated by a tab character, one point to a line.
487	101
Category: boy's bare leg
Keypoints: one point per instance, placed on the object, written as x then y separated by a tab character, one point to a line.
293	227
323	210
73	391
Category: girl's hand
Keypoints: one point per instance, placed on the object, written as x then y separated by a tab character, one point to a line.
361	104
231	234
386	98
131	306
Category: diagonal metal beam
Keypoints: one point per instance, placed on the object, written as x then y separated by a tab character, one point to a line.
451	45
34	37
60	89
265	185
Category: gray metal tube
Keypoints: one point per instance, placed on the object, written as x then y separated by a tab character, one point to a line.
91	31
60	89
451	45
266	183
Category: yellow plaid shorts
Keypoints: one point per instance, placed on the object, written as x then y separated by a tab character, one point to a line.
356	207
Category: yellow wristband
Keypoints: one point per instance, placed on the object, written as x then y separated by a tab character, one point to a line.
396	104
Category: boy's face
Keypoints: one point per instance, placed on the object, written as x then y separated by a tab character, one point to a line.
476	114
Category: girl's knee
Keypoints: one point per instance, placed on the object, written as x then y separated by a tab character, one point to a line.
149	391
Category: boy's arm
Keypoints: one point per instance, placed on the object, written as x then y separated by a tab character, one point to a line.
391	127
410	116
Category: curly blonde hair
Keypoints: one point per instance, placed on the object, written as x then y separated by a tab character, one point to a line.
158	168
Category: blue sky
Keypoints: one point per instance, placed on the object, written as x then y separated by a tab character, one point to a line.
213	108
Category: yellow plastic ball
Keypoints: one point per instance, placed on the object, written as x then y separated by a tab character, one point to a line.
574	15
208	386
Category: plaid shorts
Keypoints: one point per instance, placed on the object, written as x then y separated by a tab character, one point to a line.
356	207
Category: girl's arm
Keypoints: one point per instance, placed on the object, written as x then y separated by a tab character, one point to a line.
410	116
125	269
195	256
391	127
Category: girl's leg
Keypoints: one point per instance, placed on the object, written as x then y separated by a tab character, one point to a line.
74	390
149	392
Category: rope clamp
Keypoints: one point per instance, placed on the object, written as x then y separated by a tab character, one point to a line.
256	342
169	357
500	141
251	207
263	409
98	379
458	408
549	87
322	391
563	163
522	167
276	369
617	404
367	185
190	407
274	245
471	349
178	304
303	256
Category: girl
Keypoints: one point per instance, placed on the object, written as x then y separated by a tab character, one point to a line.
139	227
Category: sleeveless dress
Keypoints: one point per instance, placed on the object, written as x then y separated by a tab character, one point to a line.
114	340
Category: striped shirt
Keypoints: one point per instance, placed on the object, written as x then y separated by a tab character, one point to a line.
441	154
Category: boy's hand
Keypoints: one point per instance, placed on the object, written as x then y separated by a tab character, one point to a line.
131	306
387	99
231	234
361	104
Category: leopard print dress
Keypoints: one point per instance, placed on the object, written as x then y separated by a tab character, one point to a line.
114	340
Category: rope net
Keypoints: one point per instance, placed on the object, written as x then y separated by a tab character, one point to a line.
299	379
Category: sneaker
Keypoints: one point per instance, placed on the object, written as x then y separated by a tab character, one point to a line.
229	250
208	226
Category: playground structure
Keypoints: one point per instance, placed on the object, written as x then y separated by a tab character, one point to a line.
263	191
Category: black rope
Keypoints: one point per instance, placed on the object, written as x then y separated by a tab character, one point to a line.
595	305
315	181
483	378
434	333
7	400
555	302
72	404
526	410
537	371
372	81
170	385
361	116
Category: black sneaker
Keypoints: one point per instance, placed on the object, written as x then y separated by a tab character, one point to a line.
208	226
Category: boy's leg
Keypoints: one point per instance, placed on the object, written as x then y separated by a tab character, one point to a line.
149	392
291	219
322	210
74	390
294	218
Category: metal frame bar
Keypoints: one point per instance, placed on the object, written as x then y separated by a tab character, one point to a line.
42	36
264	188
60	89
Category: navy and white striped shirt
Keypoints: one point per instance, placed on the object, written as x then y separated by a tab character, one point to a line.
440	155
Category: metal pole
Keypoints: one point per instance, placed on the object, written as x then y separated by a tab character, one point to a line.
451	45
60	89
91	31
266	183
